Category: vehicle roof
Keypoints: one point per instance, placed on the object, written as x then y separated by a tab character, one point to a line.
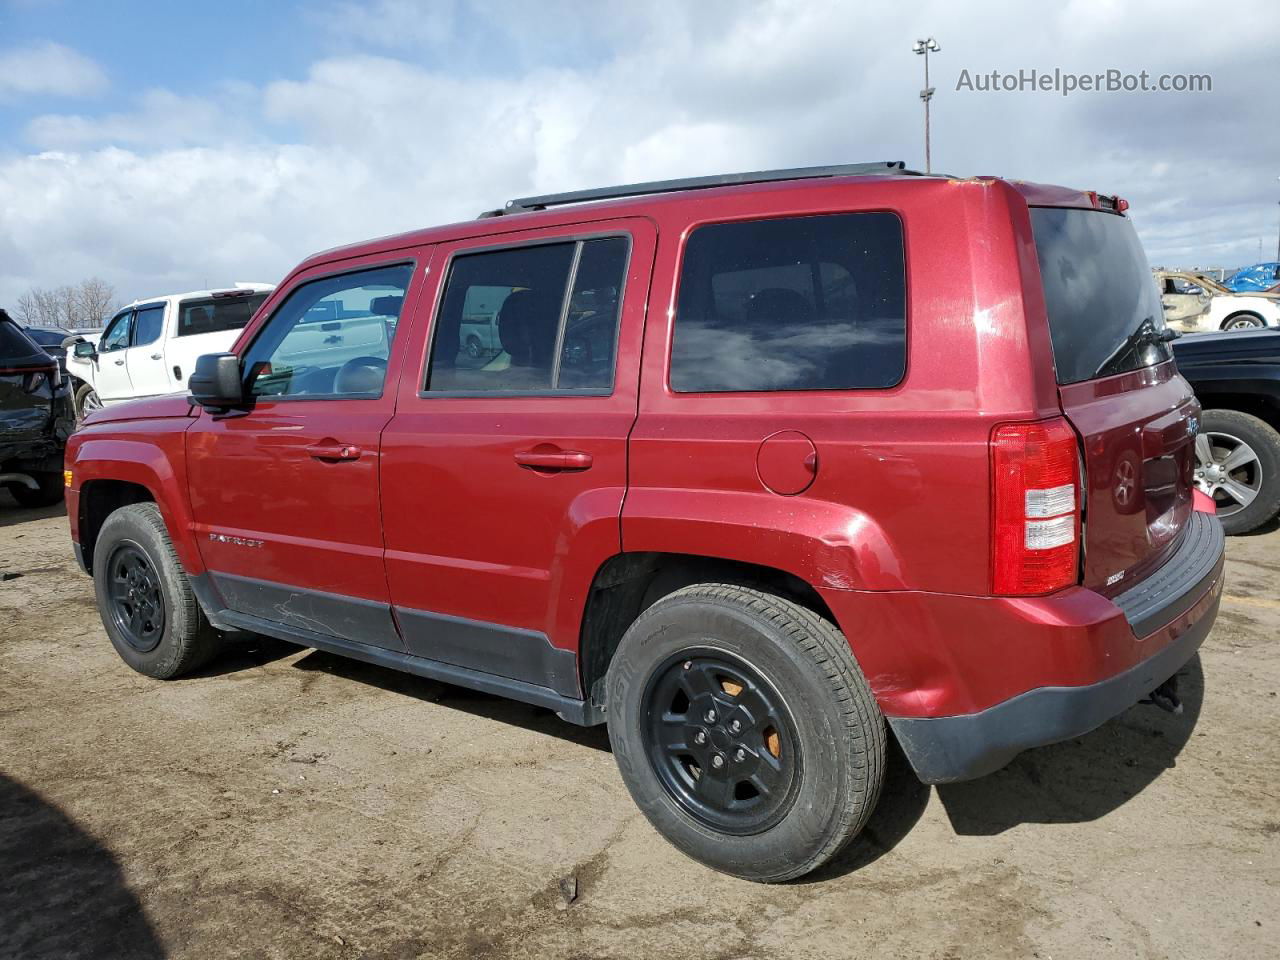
195	294
1035	194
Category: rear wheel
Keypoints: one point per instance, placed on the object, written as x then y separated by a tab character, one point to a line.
50	490
1242	321
1238	464
474	347
745	731
87	400
146	603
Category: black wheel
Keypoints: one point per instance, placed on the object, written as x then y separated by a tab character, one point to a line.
146	603
745	731
50	490
86	400
1238	464
1242	321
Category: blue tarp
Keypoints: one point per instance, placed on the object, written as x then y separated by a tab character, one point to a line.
1258	277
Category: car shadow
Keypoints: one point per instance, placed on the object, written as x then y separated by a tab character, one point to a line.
1271	526
63	894
537	719
1082	779
1076	781
11	513
244	652
903	799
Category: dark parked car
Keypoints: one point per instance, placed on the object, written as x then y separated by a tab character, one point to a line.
1237	378
767	466
35	418
51	340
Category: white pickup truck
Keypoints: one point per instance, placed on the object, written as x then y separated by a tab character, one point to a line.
150	346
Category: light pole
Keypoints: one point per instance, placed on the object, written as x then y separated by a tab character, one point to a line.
926	47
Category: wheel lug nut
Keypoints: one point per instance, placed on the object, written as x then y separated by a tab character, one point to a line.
688	664
740	755
735	726
709	716
699	737
717	761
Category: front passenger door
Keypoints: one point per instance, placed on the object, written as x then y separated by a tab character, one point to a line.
113	381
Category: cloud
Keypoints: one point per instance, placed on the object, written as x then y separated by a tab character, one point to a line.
48	69
432	112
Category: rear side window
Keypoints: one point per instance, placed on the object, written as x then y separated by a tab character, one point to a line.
535	319
803	303
215	314
148	324
1105	315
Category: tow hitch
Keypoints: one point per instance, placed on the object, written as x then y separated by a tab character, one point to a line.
1165	696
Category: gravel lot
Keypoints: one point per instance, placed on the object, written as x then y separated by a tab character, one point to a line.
288	803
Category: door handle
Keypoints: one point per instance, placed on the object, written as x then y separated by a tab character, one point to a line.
334	451
157	356
119	363
553	459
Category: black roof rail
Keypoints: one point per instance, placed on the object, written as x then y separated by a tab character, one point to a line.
526	204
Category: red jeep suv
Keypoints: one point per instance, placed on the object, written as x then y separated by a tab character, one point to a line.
756	469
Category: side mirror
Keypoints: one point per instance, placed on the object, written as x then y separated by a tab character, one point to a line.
85	350
215	383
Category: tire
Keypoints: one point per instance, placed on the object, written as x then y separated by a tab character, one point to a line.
1243	321
1224	431
51	490
181	639
830	734
86	400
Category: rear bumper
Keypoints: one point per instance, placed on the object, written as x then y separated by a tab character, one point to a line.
1121	649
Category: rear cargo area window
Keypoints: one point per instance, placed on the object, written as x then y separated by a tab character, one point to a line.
1105	315
217	313
802	303
535	319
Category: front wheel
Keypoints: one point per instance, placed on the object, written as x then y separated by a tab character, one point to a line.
87	400
150	614
745	731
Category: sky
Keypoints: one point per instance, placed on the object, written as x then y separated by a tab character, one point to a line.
174	146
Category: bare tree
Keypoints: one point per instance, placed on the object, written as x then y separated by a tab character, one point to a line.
85	304
97	301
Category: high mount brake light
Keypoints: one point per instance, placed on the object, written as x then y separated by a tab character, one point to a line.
1035	531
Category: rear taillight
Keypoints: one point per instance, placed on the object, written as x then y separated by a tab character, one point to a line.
1035	534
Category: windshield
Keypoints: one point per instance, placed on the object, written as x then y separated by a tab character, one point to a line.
1105	315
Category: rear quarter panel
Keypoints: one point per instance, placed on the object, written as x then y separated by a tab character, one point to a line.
901	496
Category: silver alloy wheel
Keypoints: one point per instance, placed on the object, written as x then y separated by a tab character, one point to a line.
1228	470
1243	322
90	402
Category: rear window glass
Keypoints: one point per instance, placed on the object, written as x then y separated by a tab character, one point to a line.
802	303
14	343
1104	311
215	314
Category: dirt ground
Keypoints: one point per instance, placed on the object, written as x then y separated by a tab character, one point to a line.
288	803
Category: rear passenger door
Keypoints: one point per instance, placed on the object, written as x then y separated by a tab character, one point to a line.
504	469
